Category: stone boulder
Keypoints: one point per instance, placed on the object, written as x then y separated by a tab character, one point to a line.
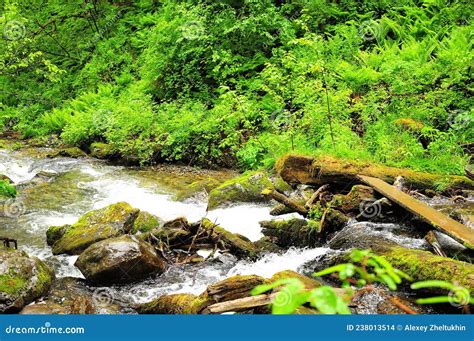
119	260
108	222
245	188
23	279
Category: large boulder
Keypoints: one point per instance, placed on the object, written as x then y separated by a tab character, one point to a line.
23	279
119	260
108	222
291	232
145	222
245	188
173	305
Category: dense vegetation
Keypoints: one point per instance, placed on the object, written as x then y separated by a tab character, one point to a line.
241	82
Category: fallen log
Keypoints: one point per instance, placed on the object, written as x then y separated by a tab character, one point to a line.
296	169
283	199
438	220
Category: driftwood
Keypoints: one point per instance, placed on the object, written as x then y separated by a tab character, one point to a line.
296	169
240	304
438	220
283	199
311	201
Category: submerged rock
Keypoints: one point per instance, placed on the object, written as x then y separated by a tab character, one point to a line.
119	260
23	279
245	188
72	296
97	225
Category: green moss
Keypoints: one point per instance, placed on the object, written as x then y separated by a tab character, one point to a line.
145	222
55	233
423	265
7	190
245	188
11	283
108	222
101	150
196	187
316	212
173	304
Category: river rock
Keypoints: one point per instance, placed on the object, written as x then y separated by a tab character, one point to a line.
351	202
292	232
73	152
97	225
236	244
72	296
245	188
119	260
23	279
101	150
173	304
145	222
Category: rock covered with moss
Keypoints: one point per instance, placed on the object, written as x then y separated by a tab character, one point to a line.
101	150
236	244
173	305
245	188
108	222
145	222
72	152
291	232
119	260
23	279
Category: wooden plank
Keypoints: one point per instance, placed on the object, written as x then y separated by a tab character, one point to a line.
438	220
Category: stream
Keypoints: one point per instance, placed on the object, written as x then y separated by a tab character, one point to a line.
77	186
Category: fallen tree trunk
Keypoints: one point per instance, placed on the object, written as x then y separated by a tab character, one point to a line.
283	199
296	169
438	220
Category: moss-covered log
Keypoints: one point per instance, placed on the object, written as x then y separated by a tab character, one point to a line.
296	169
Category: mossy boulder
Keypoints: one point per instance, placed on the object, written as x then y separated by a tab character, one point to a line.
101	150
72	152
231	288
309	283
173	304
145	222
351	202
237	245
55	233
196	187
23	279
291	232
119	260
97	225
245	188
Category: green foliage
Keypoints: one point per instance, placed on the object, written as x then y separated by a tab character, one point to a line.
291	294
240	83
458	295
7	190
365	268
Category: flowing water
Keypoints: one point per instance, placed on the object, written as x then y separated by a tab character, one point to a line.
77	186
